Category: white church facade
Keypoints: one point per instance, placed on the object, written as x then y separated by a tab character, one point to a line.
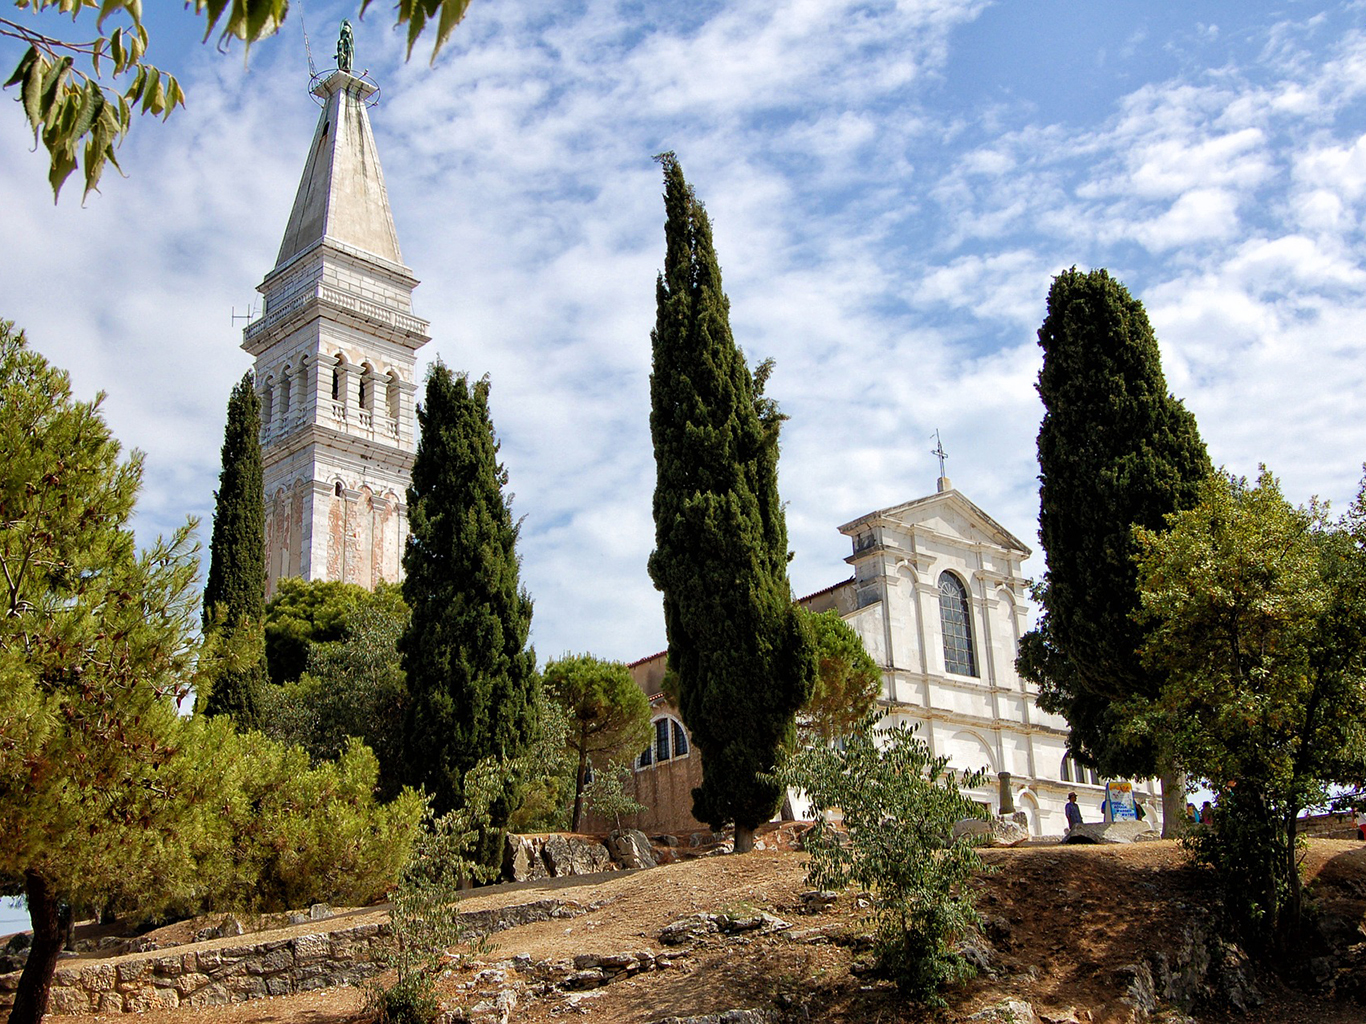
335	349
940	601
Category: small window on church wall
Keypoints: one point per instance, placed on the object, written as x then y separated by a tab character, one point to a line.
1065	772
284	394
393	396
336	385
338	489
680	740
364	393
267	406
957	623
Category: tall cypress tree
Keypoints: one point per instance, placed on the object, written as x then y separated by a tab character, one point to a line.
471	674
235	592
1116	451
742	654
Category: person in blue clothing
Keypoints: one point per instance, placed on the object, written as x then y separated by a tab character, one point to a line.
1073	812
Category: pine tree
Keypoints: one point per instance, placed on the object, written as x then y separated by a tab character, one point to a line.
471	675
742	654
96	649
235	591
1116	451
608	716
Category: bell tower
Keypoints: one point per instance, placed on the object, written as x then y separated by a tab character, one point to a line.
335	349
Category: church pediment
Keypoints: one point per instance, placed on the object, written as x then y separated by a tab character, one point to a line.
948	514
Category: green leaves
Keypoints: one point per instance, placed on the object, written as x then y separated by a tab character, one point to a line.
235	591
77	118
1115	450
742	654
471	673
247	20
417	13
609	715
74	112
1256	613
898	805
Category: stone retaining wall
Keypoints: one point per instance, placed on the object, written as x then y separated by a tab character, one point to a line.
235	974
214	977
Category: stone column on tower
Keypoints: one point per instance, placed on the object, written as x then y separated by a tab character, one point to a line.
337	322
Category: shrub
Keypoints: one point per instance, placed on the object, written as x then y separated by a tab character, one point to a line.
899	807
274	833
425	913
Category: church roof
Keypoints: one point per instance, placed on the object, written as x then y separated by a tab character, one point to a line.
918	508
341	194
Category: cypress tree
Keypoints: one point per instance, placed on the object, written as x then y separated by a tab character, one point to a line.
235	591
471	675
742	654
1116	451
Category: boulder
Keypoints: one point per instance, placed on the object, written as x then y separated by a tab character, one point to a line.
631	849
815	901
557	855
1112	832
1008	832
587	857
19	941
689	929
522	859
999	831
1007	1011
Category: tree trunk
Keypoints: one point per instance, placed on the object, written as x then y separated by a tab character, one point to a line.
1288	921
744	839
1173	803
30	1001
578	788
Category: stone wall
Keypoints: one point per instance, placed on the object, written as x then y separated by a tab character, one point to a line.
214	977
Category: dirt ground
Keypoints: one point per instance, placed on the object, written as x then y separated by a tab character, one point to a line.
1063	921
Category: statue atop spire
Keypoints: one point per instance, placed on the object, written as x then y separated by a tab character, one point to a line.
346	47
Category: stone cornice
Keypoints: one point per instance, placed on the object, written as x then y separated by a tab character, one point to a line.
398	460
324	300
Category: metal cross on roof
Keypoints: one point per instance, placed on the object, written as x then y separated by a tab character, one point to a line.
939	451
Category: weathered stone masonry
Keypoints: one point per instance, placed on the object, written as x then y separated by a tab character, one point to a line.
214	977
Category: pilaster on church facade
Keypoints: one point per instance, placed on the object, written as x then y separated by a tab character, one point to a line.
335	349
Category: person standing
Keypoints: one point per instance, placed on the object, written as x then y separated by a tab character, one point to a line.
1073	812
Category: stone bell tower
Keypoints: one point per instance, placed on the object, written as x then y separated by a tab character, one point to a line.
335	349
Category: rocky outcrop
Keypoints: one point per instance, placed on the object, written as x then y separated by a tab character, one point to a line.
527	858
631	848
1112	832
998	831
697	926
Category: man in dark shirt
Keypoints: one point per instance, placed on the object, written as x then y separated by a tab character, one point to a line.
1073	812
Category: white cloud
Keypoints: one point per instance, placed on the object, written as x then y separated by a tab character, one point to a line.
888	240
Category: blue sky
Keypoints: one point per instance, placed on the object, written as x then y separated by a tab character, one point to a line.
892	186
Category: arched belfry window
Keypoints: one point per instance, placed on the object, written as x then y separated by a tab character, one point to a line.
957	622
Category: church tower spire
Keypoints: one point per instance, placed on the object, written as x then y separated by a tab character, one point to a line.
335	349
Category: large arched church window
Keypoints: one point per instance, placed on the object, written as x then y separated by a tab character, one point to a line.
670	742
957	626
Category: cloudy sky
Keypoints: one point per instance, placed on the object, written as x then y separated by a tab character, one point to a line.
892	185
